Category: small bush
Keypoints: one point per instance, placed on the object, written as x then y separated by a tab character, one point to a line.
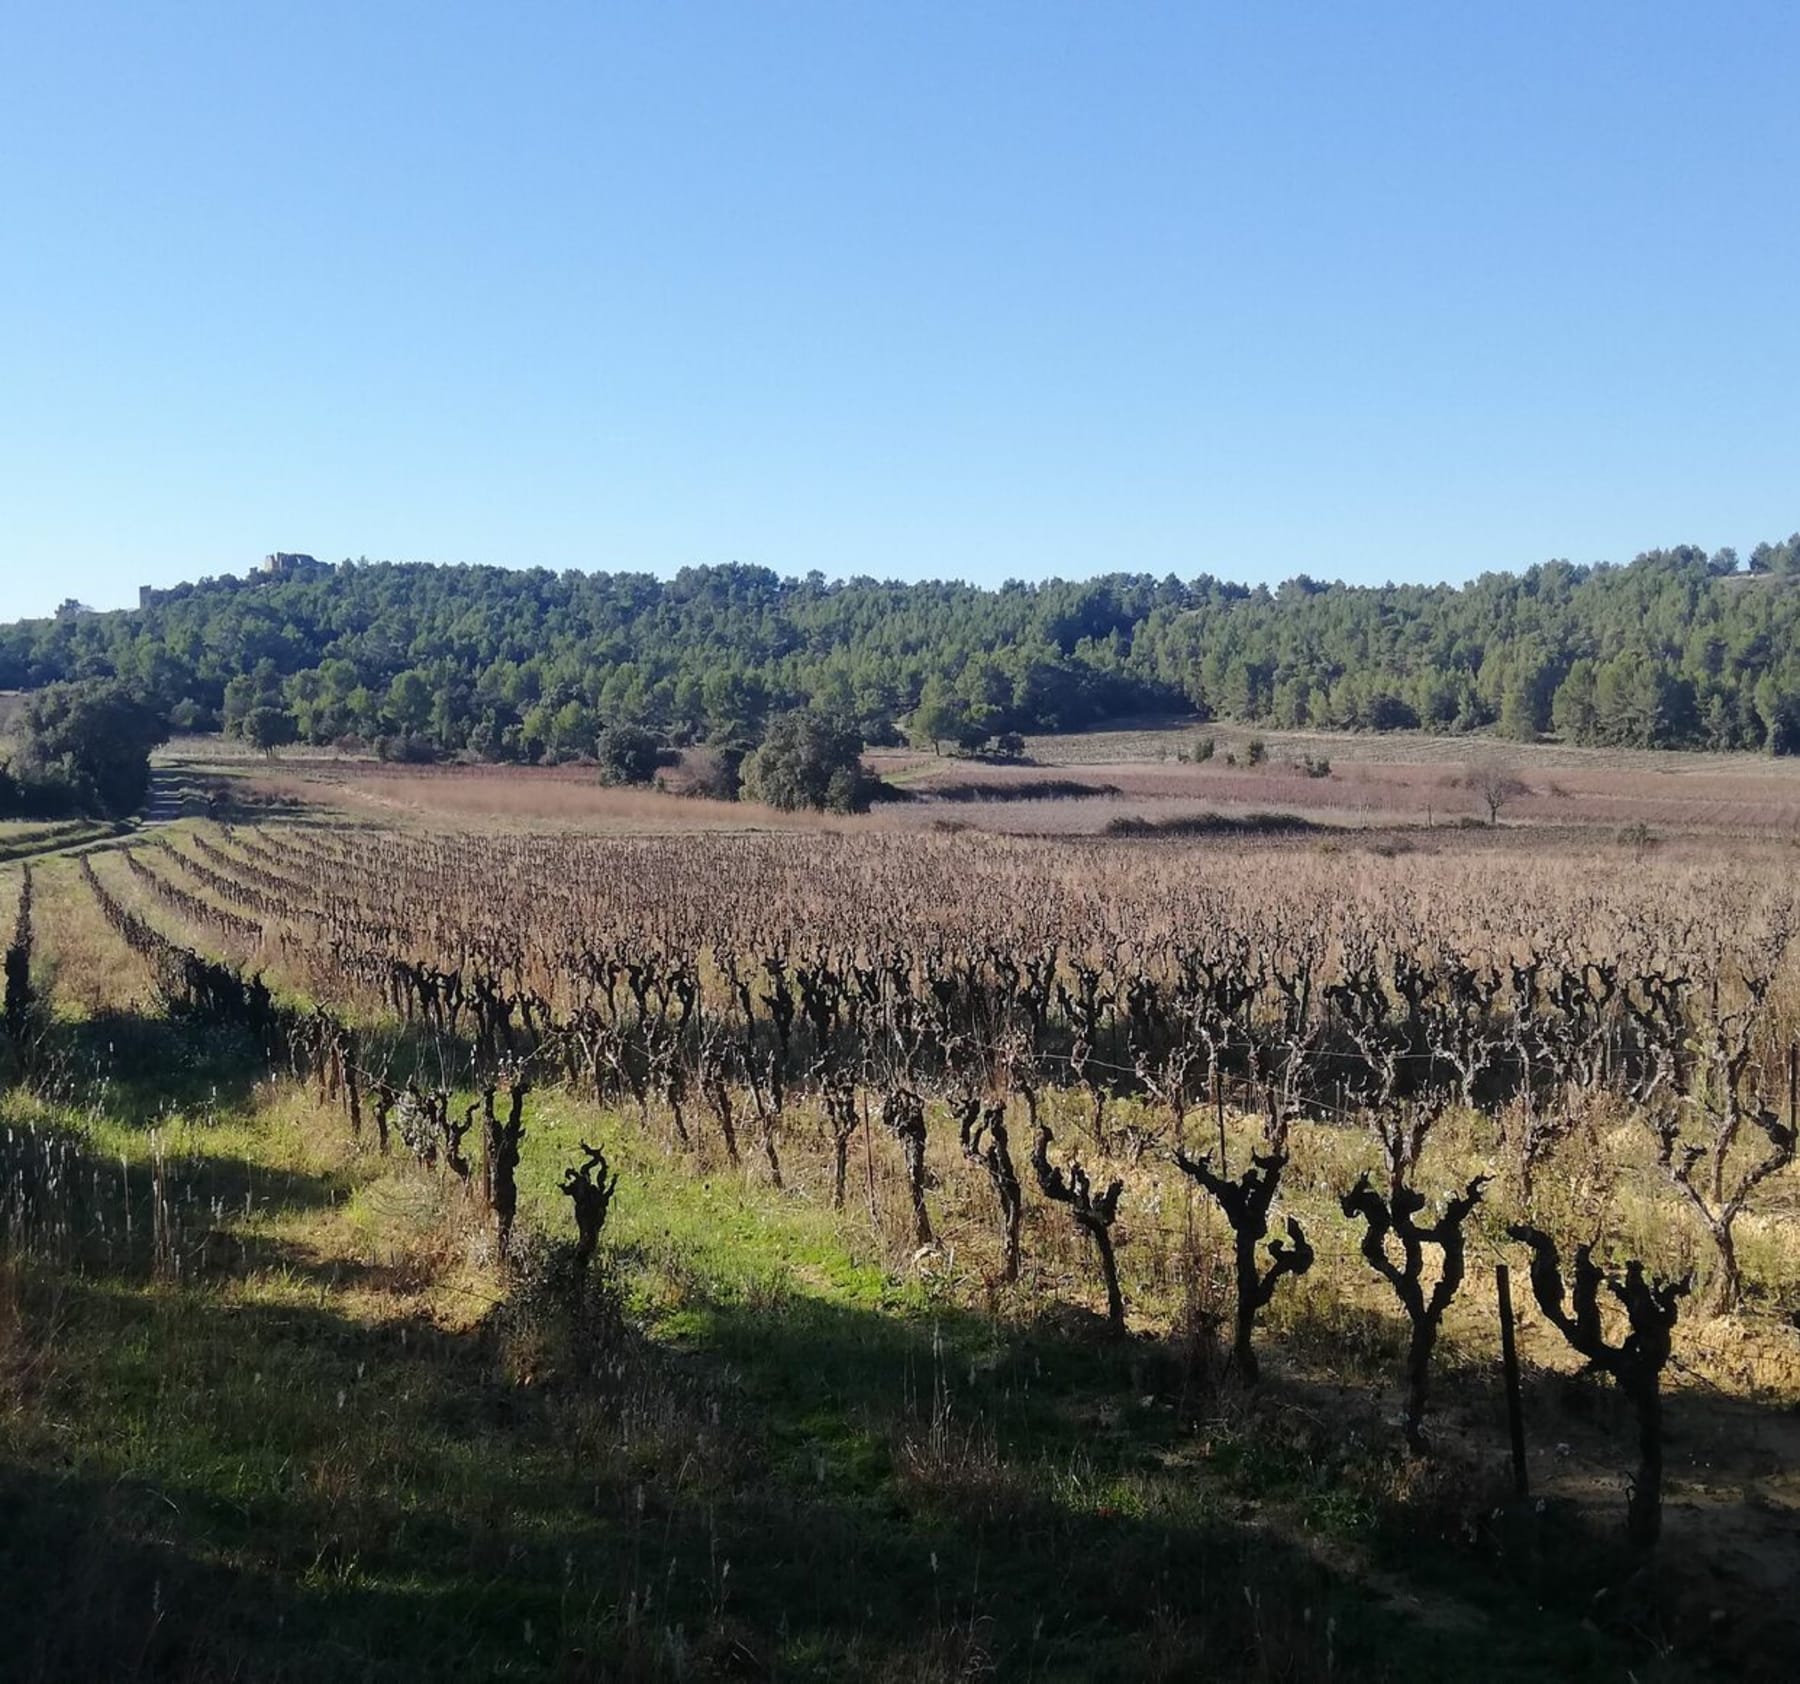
628	754
712	774
406	748
1214	824
1257	751
1033	789
1204	749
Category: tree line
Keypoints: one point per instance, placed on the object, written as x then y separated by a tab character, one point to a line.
1677	649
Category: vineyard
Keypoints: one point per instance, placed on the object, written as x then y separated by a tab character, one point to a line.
900	1254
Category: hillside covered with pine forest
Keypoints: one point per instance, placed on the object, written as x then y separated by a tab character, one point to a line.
1678	648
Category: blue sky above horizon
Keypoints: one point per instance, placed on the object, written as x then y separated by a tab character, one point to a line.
983	290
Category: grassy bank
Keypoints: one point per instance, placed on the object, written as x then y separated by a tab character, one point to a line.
272	1410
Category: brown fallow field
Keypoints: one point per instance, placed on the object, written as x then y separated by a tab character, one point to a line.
1081	784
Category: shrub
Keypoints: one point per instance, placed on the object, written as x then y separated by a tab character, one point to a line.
809	759
713	774
406	748
1204	749
1212	824
1257	751
269	728
84	748
628	754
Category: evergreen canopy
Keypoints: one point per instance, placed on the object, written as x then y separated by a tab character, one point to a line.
1677	649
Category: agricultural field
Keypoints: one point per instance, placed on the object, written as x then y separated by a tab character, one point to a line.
1414	781
22	838
468	1224
1413	787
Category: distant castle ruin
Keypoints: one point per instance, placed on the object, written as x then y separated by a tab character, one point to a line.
282	564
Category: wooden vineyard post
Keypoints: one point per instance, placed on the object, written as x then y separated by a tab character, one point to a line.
1219	1108
869	1164
1509	1367
1794	1091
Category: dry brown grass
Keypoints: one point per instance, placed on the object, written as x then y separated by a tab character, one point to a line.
1163	740
522	797
1738	795
1407	779
85	966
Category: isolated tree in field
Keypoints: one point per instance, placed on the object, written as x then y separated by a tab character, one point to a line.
1094	1213
628	754
941	717
1635	1364
1495	784
87	747
1245	1201
269	728
809	760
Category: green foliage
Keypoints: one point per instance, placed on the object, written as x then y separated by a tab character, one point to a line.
83	748
269	728
809	760
628	755
944	717
1677	649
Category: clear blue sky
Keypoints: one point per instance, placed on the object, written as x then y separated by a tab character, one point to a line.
976	289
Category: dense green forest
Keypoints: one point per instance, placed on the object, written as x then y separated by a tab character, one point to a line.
1678	649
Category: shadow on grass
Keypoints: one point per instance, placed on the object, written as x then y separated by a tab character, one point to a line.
138	1068
207	1474
227	1487
132	1221
308	1496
